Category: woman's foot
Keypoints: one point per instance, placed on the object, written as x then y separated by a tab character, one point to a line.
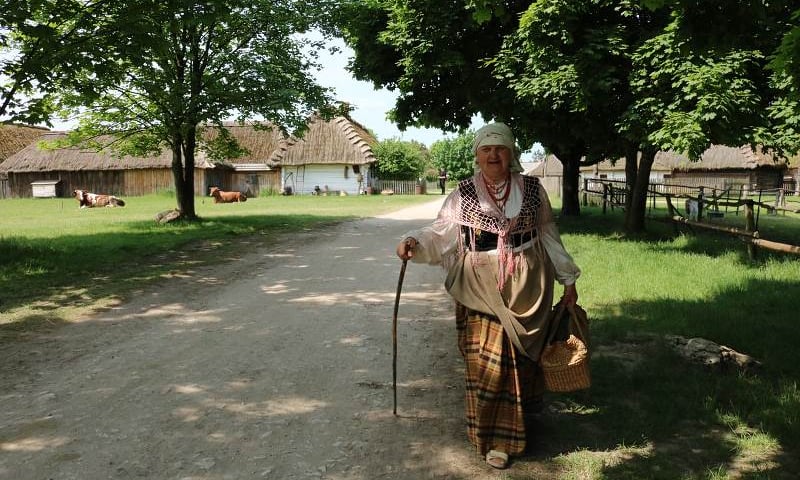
497	459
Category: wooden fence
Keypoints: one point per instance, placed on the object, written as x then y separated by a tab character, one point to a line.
400	187
708	203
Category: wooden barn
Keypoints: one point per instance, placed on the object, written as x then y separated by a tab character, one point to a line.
661	169
336	154
721	167
14	138
100	172
255	171
550	173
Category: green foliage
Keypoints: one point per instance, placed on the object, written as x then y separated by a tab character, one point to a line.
41	43
432	53
687	99
455	155
183	65
783	134
400	160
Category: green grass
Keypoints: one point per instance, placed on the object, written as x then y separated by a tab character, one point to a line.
57	261
655	415
649	414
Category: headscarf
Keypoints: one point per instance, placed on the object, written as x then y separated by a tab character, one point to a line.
498	134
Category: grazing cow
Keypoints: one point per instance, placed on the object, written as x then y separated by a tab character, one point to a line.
90	200
227	197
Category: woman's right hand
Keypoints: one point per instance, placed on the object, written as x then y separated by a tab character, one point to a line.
405	249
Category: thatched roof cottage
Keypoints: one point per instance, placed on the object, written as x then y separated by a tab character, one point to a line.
14	138
336	154
87	169
721	166
254	171
718	167
331	153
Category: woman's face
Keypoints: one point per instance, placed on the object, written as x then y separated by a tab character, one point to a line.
494	161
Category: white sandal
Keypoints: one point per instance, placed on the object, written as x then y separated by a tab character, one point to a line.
497	459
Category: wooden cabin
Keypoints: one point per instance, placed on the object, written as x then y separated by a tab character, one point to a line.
100	172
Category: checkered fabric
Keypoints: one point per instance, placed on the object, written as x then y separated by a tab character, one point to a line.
500	383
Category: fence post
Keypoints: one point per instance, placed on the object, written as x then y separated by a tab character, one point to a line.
672	212
750	226
585	195
700	201
605	197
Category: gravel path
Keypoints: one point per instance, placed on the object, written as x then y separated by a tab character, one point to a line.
274	365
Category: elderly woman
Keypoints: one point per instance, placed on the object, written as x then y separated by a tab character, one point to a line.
496	237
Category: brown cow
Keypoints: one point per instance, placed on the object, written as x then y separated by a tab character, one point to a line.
88	200
227	197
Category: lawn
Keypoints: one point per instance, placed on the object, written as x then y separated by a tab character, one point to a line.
649	415
58	261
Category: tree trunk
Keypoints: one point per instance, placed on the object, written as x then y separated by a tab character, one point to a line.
183	172
570	183
634	214
177	169
631	172
187	201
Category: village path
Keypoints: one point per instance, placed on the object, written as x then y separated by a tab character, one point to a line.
277	365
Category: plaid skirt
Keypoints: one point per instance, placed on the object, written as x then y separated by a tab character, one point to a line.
501	384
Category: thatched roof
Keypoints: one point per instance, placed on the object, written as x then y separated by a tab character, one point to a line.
260	143
720	157
663	162
549	167
14	138
33	158
338	141
716	157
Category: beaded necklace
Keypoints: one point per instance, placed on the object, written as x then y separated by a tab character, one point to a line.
499	193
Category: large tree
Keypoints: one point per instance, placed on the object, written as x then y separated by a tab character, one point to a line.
701	80
154	73
570	63
400	160
442	58
40	44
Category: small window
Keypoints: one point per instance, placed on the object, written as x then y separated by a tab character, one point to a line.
356	169
346	168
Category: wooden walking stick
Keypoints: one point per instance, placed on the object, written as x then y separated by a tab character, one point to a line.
394	333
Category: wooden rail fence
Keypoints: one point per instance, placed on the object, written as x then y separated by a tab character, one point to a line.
613	194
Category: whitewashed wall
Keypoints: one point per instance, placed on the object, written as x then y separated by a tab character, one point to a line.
304	178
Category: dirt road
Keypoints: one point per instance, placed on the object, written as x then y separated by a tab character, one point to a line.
276	365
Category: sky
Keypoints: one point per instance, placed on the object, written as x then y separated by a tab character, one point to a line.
371	106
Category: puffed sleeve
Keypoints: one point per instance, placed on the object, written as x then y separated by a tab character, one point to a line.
436	241
567	272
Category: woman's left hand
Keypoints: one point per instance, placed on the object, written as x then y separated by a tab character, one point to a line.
570	295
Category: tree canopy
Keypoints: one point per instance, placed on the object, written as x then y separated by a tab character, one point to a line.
400	160
153	73
455	155
590	79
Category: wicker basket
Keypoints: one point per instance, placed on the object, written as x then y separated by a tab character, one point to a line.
566	365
